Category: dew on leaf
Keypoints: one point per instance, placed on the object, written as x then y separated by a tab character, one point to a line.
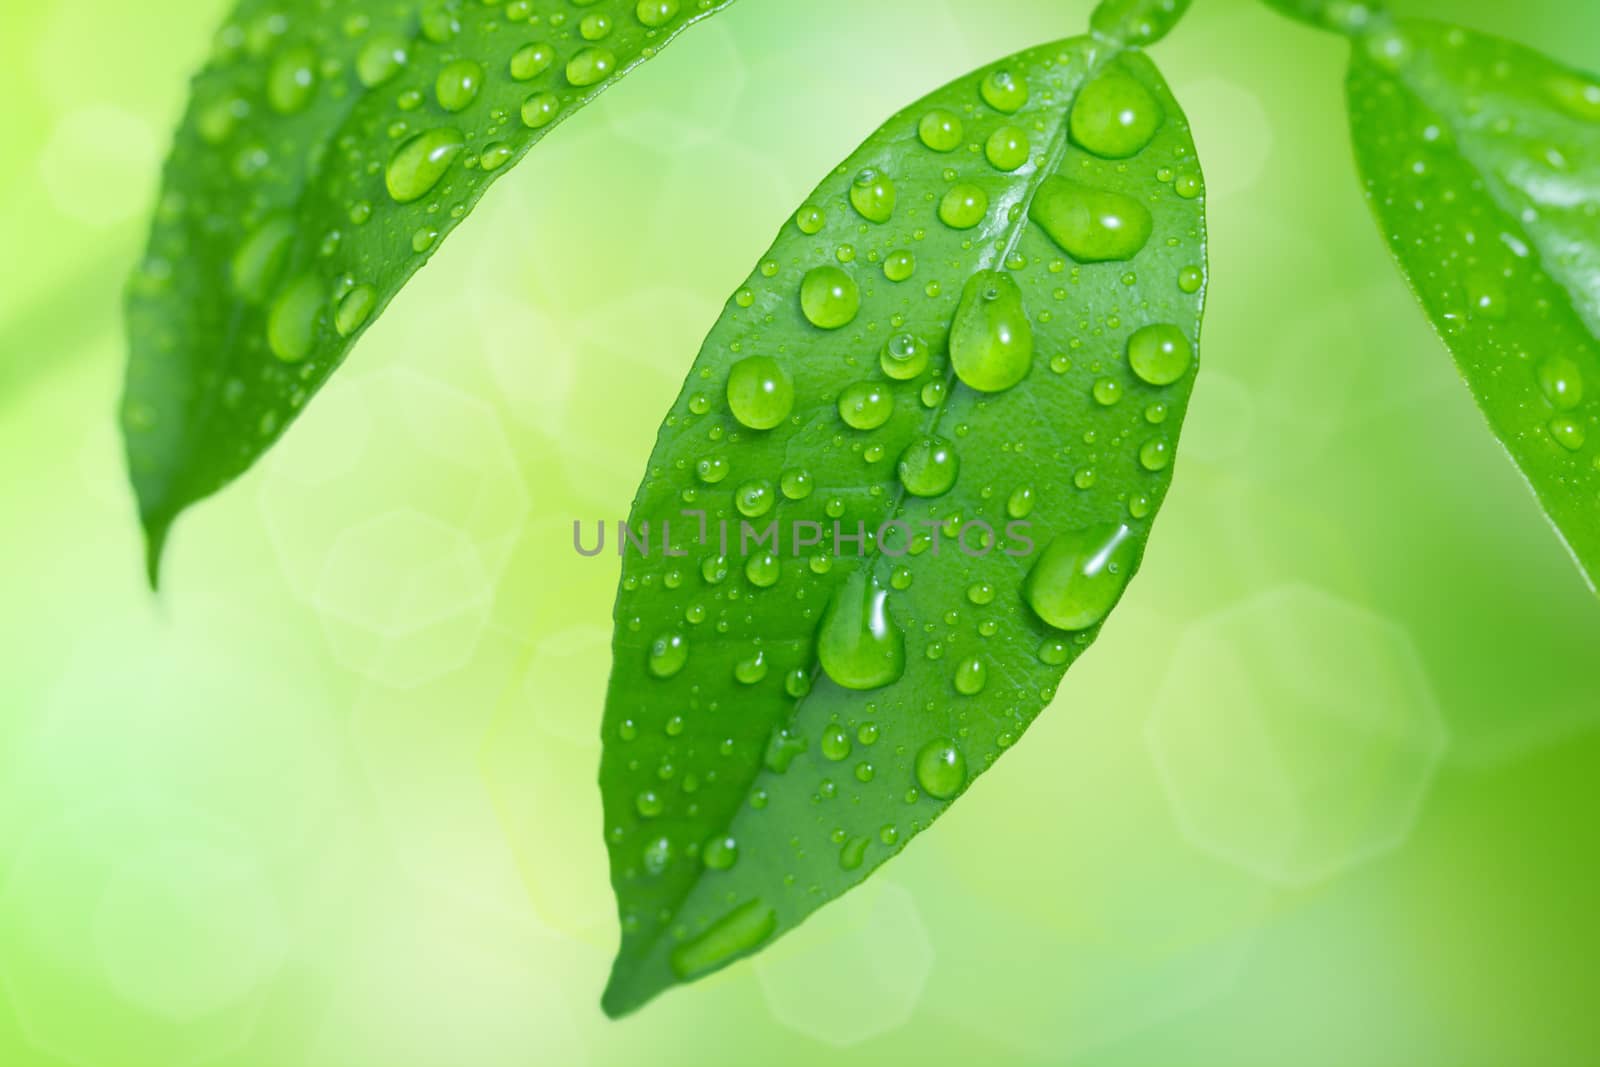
1091	225
991	339
1077	580
858	644
928	467
941	769
418	164
1115	116
829	297
760	392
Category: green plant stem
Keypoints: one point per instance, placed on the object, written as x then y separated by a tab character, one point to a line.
1136	23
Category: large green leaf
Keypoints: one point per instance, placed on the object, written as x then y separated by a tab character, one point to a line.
327	150
781	721
1482	163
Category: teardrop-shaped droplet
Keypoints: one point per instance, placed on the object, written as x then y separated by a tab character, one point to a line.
1078	579
941	769
260	257
1115	116
740	931
760	392
858	644
296	314
354	309
991	340
416	166
1091	225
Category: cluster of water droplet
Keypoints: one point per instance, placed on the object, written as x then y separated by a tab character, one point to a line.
895	357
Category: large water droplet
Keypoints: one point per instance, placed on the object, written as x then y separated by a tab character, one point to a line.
928	467
858	644
418	164
1160	354
1115	116
941	769
963	206
829	297
865	406
991	340
1091	225
590	66
740	931
1562	383
292	79
458	84
1078	579
260	258
940	130
872	195
1004	91
1007	148
296	314
668	654
760	392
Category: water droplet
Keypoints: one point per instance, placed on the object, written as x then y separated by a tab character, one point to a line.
711	469
1115	116
648	804
760	392
1077	580
531	60
595	26
1562	383
720	853
940	130
418	164
872	195
809	219
1007	148
858	644
963	206
797	683
1107	391
796	484
751	670
260	258
668	654
941	769
1160	354
904	356
928	467
981	593
763	571
657	855
853	853
292	324
1020	504
1156	454
991	339
899	265
971	676
739	932
829	297
1190	279
865	406
1091	225
754	498
656	13
495	156
381	58
539	110
1004	91
835	743
292	80
591	66
354	309
458	84
1568	432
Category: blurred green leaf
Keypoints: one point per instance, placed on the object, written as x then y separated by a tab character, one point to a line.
974	344
1482	163
326	152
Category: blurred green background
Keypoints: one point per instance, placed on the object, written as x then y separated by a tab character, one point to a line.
1324	793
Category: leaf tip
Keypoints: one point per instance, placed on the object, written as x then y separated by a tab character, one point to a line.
156	530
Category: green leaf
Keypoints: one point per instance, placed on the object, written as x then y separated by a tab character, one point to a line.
974	329
1482	163
326	152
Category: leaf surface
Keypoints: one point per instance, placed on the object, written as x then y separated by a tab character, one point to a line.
1481	160
327	150
974	343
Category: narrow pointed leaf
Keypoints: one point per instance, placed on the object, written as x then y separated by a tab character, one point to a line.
973	345
326	151
1482	163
